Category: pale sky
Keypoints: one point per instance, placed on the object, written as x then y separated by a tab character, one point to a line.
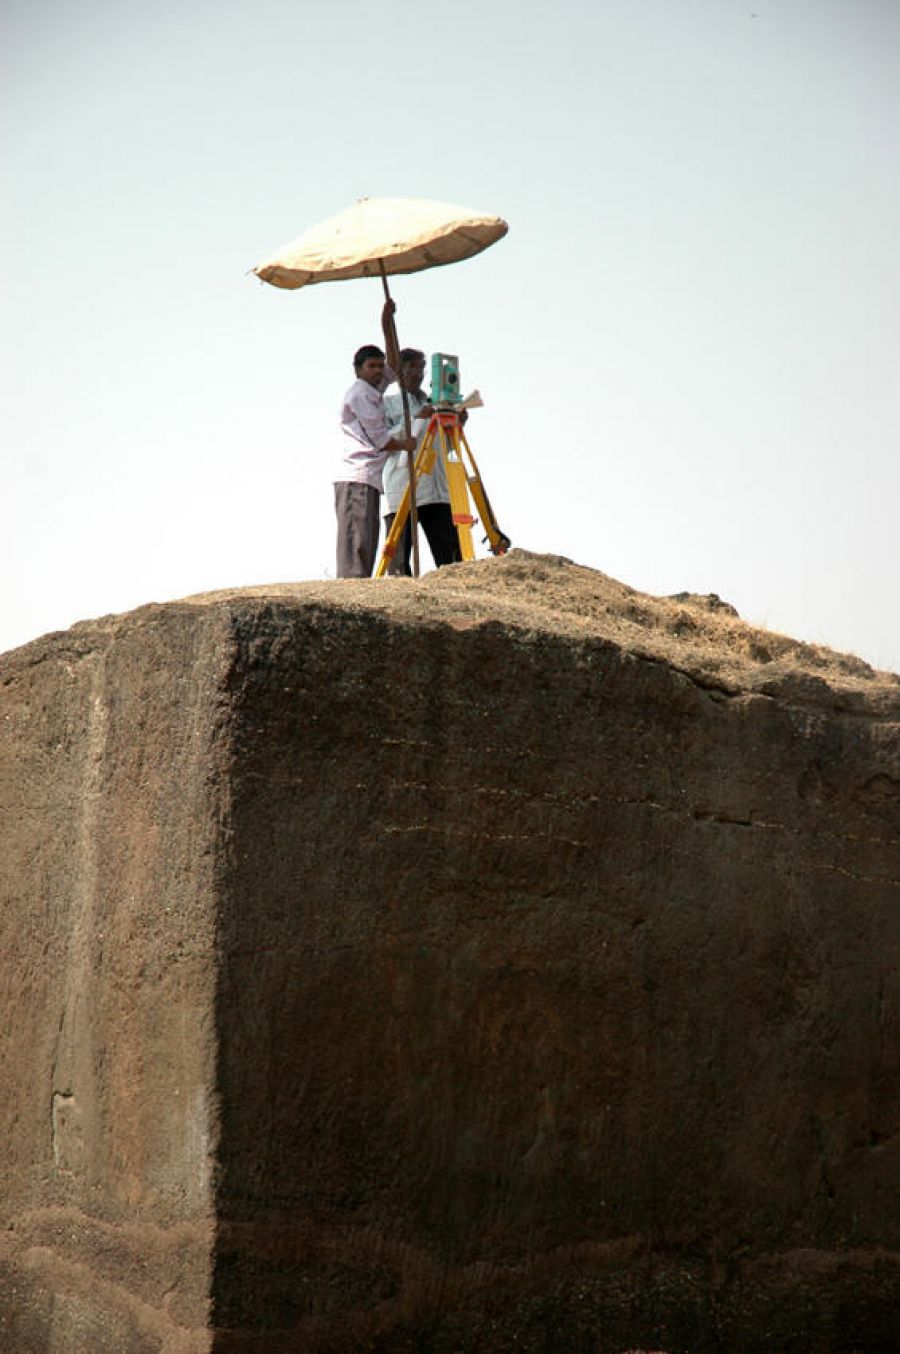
688	343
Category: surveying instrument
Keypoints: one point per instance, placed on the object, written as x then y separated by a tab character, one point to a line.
444	437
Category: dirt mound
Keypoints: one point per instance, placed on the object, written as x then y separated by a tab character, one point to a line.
702	636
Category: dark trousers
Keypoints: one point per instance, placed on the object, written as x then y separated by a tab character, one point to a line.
356	507
436	521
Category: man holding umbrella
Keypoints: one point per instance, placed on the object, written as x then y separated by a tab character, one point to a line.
375	238
366	442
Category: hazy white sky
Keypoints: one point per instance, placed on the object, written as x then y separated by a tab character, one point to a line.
688	343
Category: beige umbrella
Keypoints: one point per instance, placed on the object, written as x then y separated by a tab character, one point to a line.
381	236
378	237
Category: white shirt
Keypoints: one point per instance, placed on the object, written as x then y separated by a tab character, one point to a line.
430	488
364	432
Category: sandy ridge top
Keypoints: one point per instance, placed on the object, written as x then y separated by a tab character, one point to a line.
701	635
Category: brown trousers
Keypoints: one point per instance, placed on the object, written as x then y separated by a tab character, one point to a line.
356	507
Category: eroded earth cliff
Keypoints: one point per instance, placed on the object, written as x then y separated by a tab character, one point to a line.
501	960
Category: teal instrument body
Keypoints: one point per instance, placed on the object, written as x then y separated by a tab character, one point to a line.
445	379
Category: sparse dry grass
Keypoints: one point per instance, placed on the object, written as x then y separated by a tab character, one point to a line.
702	636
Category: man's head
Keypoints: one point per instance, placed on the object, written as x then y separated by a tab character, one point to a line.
412	368
368	363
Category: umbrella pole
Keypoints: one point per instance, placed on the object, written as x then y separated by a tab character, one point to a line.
411	455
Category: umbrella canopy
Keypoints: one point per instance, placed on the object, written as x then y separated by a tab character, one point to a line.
381	236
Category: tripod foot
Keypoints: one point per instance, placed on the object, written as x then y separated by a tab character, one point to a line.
500	546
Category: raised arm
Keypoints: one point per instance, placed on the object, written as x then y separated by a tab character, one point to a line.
389	330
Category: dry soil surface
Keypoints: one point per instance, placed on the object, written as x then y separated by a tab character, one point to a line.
702	636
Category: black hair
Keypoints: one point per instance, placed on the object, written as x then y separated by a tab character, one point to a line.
367	350
407	354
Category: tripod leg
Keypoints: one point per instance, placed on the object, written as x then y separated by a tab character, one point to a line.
423	464
394	536
499	542
460	507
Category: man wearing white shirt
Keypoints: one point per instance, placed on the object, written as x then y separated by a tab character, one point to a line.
432	493
366	442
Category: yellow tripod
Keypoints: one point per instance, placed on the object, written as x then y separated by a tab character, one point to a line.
444	437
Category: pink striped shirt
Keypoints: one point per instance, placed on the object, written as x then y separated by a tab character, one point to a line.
364	432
